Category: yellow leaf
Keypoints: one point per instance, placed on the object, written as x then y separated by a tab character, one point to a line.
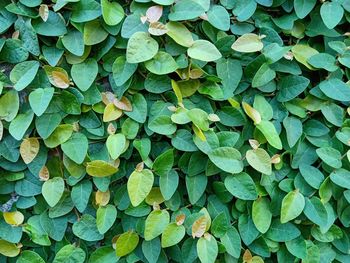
198	132
102	198
177	91
252	113
8	249
154	197
44	174
13	218
199	226
29	149
111	113
302	53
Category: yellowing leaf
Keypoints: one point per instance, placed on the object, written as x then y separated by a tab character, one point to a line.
111	113
57	76
29	149
248	43
199	226
252	113
44	12
199	133
179	33
302	53
102	198
126	243
123	104
177	91
157	29
155	197
99	168
8	249
13	218
44	174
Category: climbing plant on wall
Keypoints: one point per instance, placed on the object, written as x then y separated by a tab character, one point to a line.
174	131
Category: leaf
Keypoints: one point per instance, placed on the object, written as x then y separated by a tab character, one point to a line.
227	159
270	133
122	70
94	33
341	178
219	17
52	190
154	13
162	63
294	130
53	26
292	206
303	7
23	74
163	163
335	89
76	147
282	232
207	249
73	41
252	113
263	76
139	185
29	149
99	168
168	184
179	33
9	105
116	145
80	194
15	218
157	29
9	249
57	76
172	235
39	100
260	160
86	229
69	253
155	224
185	10
105	218
20	124
331	13
60	135
303	53
261	214
151	249
248	43
28	256
141	47
203	50
290	87
126	243
84	74
330	156
242	186
112	12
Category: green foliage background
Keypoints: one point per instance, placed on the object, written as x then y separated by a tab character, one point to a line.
174	131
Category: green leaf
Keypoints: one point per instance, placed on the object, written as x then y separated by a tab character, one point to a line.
70	253
282	232
139	186
227	159
76	147
39	100
232	242
260	160
23	74
292	206
324	61
331	13
122	70
312	175
85	10
28	256
60	135
248	43
241	186
172	235
341	177
162	63
270	133
53	190
105	218
179	33
126	243
84	74
20	124
73	41
86	228
195	186
316	211
155	223
99	168
263	76
207	249
330	156
141	47
94	33
80	194
53	26
302	52
9	105
261	214
294	130
168	184
303	7
219	17
112	12
335	89
203	50
151	249
290	87
186	10
116	145
163	163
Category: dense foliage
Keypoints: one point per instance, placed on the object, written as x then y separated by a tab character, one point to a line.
174	131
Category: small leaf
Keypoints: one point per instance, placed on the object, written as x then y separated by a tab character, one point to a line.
112	12
227	159
105	218
9	249
155	223
141	47
29	149
179	33
116	145
172	235
331	13
207	249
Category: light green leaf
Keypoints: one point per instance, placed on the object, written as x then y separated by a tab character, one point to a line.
84	74
105	218
248	43
86	228
39	100
52	190
20	124
139	186
292	206
186	10
99	168
203	50
73	41
116	144
179	33
9	105
60	135
172	235
270	133
227	159
241	186
112	12
162	63
141	47
207	249
263	76
155	223
70	253
23	74
76	147
260	160
94	33
126	243
261	214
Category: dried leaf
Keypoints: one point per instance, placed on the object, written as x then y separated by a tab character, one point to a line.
29	149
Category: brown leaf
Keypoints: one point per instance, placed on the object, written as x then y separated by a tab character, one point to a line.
247	256
44	174
154	13
180	219
111	129
123	104
107	97
57	76
29	149
199	226
157	29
